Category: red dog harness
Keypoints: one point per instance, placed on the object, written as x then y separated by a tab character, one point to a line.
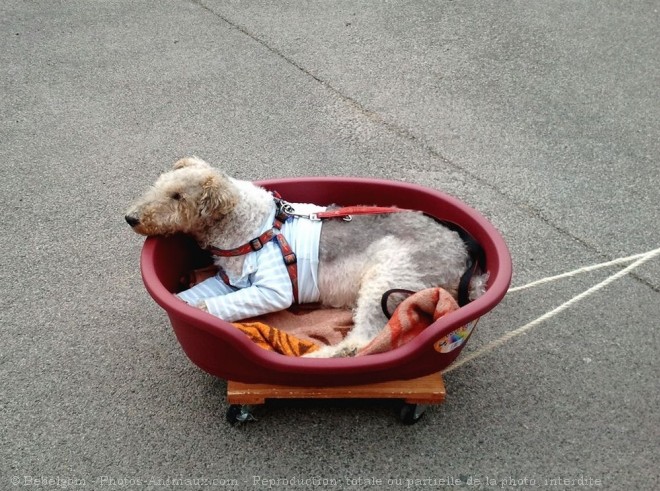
283	212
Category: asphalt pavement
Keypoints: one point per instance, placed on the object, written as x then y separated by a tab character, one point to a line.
544	116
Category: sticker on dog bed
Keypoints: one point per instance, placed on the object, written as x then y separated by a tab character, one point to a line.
455	338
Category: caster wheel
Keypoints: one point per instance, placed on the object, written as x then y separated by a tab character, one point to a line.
239	414
411	413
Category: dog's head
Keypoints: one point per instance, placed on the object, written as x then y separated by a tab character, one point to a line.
188	199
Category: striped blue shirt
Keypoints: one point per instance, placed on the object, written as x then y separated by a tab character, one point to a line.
264	284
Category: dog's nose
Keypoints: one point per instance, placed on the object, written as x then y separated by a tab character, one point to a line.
131	220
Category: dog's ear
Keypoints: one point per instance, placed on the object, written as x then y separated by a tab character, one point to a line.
218	196
189	162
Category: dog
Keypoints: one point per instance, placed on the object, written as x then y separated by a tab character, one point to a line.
342	264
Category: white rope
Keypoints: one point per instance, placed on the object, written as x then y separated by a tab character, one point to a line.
575	272
548	315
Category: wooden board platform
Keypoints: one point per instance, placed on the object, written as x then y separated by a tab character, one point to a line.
424	390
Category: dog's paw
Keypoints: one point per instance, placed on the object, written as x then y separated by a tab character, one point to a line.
341	350
325	352
346	352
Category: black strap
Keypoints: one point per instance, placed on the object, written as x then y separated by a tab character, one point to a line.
476	261
386	296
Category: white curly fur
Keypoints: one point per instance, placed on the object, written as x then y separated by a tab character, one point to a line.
358	261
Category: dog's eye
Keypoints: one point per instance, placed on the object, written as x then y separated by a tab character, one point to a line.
176	196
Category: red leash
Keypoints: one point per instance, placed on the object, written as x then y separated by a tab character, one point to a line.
349	211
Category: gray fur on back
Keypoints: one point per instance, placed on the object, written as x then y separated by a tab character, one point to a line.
433	249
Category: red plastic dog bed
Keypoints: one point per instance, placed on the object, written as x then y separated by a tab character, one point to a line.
223	351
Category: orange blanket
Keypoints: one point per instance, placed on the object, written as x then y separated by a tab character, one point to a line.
296	332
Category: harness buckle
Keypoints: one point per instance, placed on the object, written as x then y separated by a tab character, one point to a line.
256	244
285	207
290	259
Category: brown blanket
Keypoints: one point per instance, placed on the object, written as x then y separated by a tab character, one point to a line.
298	331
